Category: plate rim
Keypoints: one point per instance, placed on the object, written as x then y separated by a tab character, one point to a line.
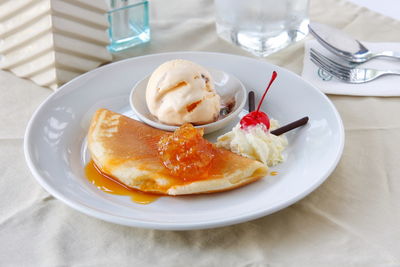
173	225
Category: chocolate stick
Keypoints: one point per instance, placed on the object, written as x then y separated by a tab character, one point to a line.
290	126
252	105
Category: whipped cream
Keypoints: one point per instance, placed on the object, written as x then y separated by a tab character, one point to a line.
255	142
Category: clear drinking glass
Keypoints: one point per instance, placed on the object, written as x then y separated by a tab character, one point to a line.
128	24
262	26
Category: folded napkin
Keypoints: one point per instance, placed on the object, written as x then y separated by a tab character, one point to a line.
383	86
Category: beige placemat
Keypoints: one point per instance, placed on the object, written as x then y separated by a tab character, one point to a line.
352	219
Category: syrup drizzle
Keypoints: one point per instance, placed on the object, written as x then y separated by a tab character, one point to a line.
111	186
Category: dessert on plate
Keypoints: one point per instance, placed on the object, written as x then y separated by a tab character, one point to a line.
256	142
152	160
181	91
252	136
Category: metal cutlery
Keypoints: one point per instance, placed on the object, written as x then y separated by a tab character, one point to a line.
347	73
345	46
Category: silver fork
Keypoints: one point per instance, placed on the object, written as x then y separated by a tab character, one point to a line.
346	73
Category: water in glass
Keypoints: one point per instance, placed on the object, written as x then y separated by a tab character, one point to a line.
262	26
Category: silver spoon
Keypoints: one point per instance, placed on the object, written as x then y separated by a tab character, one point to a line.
345	46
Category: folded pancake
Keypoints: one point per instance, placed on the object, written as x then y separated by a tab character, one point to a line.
126	150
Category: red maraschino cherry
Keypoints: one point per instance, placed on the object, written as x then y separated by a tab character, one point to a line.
257	116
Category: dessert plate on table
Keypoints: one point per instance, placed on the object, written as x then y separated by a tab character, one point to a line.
56	151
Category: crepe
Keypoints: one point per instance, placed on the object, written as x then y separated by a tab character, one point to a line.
126	150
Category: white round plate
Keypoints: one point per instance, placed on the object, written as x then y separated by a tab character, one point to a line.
55	146
227	86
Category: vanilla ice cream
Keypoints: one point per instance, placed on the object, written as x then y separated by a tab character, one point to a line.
255	142
180	91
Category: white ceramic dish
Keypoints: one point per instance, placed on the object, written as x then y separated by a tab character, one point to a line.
226	85
55	146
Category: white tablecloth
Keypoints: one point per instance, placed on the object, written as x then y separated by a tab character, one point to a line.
352	219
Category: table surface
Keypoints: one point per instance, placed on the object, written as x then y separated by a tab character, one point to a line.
388	8
352	219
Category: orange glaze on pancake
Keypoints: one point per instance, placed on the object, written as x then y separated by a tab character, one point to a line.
142	148
133	144
111	185
186	153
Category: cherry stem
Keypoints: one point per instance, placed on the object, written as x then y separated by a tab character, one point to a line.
274	74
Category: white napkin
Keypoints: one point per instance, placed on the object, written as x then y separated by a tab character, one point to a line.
383	86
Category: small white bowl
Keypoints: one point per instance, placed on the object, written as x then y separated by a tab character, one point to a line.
226	85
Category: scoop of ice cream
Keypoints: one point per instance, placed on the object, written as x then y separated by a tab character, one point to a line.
180	91
255	142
